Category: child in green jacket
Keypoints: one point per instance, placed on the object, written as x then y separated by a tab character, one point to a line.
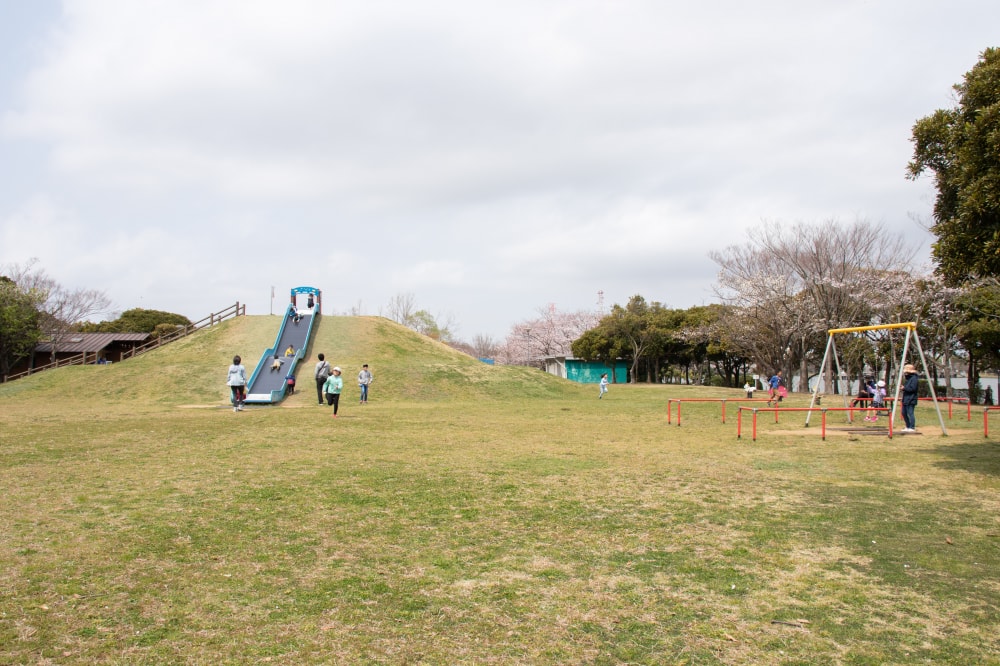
332	387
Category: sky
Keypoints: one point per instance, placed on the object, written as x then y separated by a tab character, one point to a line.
488	159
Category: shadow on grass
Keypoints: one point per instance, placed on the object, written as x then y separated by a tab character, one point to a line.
979	457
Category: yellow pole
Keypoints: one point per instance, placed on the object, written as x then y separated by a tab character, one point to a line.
858	329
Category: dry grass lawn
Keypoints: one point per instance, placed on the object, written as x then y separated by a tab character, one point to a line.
473	515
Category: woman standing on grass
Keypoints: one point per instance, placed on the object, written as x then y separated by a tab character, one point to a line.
333	386
604	385
237	383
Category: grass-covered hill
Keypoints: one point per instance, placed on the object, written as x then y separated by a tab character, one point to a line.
192	371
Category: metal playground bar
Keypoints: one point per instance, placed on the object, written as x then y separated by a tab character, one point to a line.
671	401
776	410
986	419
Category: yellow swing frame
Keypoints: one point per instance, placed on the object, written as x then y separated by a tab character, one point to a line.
831	347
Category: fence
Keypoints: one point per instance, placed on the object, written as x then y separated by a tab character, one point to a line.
235	310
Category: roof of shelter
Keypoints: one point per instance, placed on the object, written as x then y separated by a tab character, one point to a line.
78	343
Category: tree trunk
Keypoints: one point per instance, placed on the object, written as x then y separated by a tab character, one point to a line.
947	365
803	368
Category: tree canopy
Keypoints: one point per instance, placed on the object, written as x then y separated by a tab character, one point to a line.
58	308
961	147
137	320
552	333
790	284
20	327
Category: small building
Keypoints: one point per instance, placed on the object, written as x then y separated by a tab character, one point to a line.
94	348
585	372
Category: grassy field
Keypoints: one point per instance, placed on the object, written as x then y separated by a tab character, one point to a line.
473	515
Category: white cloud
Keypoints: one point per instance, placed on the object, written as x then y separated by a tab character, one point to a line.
489	157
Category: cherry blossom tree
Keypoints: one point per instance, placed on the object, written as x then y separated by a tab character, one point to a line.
792	284
552	333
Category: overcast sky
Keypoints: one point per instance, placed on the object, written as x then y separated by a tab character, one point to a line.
489	158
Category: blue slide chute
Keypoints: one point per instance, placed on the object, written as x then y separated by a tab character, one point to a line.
268	386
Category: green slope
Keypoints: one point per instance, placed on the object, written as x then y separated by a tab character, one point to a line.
192	371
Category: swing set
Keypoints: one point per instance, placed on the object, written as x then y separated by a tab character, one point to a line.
831	351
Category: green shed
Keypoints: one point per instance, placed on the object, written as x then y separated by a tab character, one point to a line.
585	372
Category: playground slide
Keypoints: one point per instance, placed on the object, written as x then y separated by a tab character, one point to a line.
267	386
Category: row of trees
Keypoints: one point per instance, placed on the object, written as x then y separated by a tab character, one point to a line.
810	279
780	293
663	344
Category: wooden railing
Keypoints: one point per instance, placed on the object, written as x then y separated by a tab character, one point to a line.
235	310
79	359
183	331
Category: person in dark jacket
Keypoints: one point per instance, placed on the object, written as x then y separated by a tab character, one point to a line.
321	374
911	381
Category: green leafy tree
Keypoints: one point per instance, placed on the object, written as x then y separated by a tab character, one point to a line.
597	345
138	320
425	323
705	327
978	329
668	346
961	147
20	323
631	326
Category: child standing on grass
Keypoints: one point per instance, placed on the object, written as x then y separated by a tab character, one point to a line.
333	386
237	382
604	385
364	381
